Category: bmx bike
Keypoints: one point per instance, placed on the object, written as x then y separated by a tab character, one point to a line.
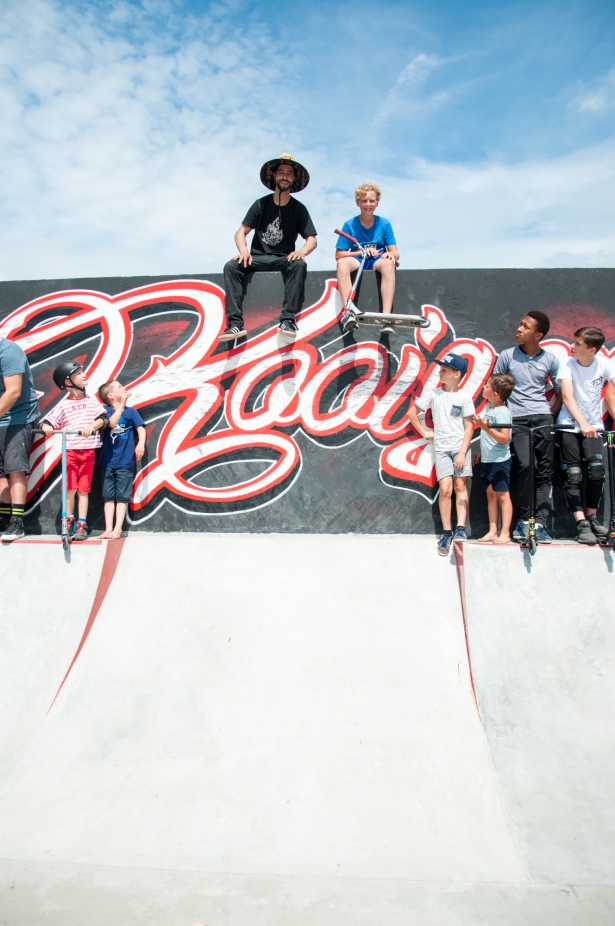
353	316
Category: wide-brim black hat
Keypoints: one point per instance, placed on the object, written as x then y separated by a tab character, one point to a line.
302	178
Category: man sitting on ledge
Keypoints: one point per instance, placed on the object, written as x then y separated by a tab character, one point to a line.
276	219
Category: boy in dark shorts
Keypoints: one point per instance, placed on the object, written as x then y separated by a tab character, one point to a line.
582	380
495	430
118	455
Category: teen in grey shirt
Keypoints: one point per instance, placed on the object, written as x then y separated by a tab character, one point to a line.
532	368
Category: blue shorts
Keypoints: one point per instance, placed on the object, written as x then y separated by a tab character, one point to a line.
496	475
116	483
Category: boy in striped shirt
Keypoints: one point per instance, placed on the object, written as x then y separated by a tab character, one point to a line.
77	412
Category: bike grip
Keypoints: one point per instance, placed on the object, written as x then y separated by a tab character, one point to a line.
349	237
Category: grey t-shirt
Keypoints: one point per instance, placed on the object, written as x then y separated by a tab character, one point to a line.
530	375
14	361
448	410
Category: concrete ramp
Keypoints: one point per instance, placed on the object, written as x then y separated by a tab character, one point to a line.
278	729
542	644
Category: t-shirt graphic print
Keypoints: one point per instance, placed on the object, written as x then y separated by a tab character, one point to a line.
274	234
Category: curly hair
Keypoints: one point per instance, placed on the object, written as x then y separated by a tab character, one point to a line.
364	188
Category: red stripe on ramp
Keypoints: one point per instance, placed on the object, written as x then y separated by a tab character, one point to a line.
110	562
461	578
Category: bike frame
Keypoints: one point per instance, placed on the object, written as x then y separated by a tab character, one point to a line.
351	301
531	542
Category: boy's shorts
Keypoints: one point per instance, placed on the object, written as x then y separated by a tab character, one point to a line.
117	483
79	469
496	475
445	464
15	443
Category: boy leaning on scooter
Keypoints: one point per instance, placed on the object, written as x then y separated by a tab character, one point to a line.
581	379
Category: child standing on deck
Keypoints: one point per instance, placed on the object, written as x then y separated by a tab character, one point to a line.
496	426
118	455
83	413
453	414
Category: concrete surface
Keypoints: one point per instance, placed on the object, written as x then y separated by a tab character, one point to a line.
281	729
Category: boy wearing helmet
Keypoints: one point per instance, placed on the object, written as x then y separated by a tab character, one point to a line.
83	413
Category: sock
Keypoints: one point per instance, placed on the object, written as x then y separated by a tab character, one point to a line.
82	521
17	510
5	510
447	533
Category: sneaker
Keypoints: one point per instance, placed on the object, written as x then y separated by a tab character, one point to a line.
5	520
541	534
598	529
232	333
519	535
349	321
288	328
70	525
81	531
585	533
14	531
387	328
444	544
460	534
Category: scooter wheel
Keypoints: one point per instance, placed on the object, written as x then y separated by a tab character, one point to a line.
533	545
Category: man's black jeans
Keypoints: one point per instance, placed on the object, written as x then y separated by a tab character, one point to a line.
544	452
293	272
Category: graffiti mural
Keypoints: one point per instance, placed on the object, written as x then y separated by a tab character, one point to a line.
230	428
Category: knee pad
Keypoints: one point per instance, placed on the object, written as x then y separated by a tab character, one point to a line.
595	468
574	476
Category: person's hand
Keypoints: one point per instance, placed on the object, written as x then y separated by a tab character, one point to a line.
139	451
479	422
296	255
476	459
589	431
47	429
87	430
429	435
244	257
389	256
372	252
460	461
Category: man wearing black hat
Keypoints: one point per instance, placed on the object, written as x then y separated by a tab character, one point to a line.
276	220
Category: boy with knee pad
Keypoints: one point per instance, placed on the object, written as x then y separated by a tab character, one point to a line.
582	378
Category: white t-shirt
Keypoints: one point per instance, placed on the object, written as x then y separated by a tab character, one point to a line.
587	383
448	410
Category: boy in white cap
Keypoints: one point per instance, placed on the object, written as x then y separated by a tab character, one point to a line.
452	412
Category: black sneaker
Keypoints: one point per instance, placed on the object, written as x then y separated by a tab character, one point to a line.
14	531
288	328
585	534
5	520
232	333
600	531
387	328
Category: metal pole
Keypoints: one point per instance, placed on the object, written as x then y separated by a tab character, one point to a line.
64	514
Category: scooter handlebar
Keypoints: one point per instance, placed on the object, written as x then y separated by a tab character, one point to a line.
349	237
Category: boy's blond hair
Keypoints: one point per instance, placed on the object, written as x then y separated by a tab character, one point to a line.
364	188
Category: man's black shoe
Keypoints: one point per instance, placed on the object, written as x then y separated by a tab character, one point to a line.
14	531
288	328
232	333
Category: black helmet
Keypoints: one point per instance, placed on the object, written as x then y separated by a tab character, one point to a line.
65	371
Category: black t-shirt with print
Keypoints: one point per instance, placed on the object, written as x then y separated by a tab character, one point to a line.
276	227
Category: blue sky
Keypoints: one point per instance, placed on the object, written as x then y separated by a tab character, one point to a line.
133	132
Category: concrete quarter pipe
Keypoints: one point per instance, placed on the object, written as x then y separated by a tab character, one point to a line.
285	729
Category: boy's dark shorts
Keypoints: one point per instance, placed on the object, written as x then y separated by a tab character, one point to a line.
496	475
15	443
117	483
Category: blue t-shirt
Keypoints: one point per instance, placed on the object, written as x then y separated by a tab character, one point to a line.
118	449
12	362
497	418
380	235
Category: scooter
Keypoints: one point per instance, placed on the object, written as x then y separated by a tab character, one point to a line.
610	461
351	312
64	529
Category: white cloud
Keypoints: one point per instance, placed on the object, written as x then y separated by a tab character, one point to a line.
600	97
141	156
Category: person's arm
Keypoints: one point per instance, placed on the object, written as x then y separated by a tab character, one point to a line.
587	430
468	428
413	418
117	414
392	253
96	425
609	399
341	252
244	257
308	247
12	391
499	435
140	448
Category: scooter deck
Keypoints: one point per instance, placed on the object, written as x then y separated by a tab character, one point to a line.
399	321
